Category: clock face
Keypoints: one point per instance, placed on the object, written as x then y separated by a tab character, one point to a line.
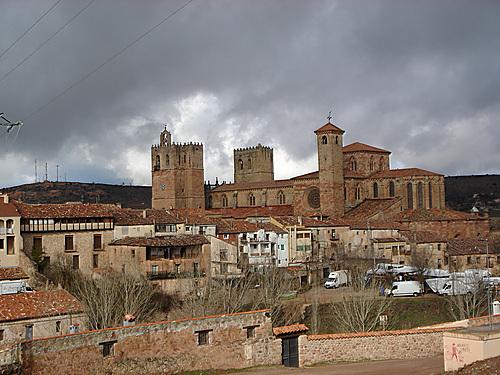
163	186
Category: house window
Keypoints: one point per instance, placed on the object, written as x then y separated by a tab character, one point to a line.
371	164
1	334
1	244
68	243
324	140
358	193
223	268
97	241
203	337
225	236
430	195
76	262
10	245
28	332
439	247
108	348
58	326
196	269
177	268
95	261
133	253
154	269
223	255
250	331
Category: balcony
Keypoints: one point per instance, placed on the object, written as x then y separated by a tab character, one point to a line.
4	231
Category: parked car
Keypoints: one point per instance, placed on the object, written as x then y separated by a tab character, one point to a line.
405	288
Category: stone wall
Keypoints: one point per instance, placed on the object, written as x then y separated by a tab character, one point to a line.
370	346
164	347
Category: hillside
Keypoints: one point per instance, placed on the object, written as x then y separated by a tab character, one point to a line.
62	192
462	193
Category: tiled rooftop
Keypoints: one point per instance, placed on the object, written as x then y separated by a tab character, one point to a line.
423	236
163	241
31	305
253	185
369	208
434	214
470	246
405	172
8	209
361	147
256	211
243	226
329	127
307	222
12	273
67	210
294	328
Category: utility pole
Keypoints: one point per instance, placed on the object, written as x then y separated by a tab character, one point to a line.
57	172
36	172
46	172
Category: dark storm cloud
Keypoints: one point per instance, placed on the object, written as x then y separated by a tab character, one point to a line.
418	78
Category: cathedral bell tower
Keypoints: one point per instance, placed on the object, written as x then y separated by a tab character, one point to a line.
177	174
331	173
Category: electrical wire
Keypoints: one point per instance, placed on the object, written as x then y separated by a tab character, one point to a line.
29	29
108	60
46	41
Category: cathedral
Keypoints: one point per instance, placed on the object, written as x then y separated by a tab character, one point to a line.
346	176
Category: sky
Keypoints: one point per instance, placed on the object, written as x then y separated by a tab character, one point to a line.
421	79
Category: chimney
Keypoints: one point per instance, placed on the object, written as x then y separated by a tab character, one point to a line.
300	220
144	214
6	199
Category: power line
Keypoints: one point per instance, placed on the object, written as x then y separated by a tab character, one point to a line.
108	60
46	41
29	28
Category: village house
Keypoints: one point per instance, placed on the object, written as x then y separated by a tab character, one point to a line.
39	314
424	250
10	233
463	253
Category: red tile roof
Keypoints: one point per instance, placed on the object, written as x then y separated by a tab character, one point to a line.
371	207
423	236
256	211
294	328
308	222
243	226
337	336
129	216
373	224
163	216
388	240
434	214
67	210
307	176
8	209
12	273
329	128
361	147
253	185
163	241
31	305
469	246
405	172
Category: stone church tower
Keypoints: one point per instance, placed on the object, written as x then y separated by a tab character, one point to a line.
253	164
331	172
177	174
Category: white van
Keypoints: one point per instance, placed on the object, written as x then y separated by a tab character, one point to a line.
337	279
405	288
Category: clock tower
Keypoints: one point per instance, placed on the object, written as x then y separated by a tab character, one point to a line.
177	174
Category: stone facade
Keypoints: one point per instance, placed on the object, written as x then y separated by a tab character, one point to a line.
177	174
370	346
11	241
346	176
219	342
253	164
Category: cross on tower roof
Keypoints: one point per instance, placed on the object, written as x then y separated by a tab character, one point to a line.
329	117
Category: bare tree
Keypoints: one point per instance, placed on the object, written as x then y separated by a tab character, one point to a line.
360	311
471	299
108	298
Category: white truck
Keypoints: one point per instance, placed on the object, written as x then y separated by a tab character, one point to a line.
404	289
336	279
458	287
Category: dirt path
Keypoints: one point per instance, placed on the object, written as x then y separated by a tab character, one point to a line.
424	366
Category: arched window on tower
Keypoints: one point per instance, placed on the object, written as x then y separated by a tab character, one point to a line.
336	139
357	194
240	163
324	140
375	190
354	165
420	195
224	200
184	158
409	195
249	163
430	195
167	160
381	163
157	163
371	164
251	199
210	202
281	197
392	189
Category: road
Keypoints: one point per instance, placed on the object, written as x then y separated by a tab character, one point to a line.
424	366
